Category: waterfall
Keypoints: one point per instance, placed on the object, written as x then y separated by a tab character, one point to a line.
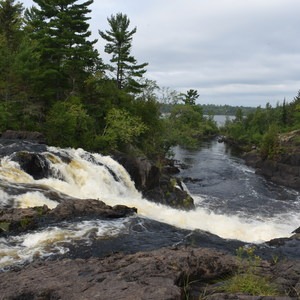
79	174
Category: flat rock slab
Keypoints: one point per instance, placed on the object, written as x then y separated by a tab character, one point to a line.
159	274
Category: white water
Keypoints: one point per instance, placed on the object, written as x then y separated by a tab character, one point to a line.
83	178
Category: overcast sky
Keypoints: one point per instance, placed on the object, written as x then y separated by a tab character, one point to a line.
236	52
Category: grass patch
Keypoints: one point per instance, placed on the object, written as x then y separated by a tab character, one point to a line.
247	280
250	284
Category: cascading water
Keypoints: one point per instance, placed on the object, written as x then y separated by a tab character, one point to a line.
79	174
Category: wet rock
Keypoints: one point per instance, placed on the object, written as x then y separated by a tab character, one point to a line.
285	170
16	220
170	192
34	164
24	135
156	185
143	172
88	208
296	230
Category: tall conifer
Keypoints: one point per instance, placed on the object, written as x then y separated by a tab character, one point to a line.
67	55
124	65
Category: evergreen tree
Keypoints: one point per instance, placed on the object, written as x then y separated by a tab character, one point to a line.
190	97
125	66
67	56
10	22
10	38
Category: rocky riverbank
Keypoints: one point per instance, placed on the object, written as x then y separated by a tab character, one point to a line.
284	167
167	273
145	259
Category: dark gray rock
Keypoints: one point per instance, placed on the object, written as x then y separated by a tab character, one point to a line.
156	185
167	273
159	275
16	220
87	208
24	135
285	170
34	164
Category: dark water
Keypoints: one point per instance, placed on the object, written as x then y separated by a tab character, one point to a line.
226	186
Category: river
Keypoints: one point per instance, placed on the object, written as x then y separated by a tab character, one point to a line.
232	204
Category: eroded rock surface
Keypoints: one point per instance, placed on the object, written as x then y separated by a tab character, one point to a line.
167	273
16	220
156	185
156	275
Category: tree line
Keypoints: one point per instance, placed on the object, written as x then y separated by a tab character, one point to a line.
263	127
53	79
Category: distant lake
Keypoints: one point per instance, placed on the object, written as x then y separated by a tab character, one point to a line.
221	119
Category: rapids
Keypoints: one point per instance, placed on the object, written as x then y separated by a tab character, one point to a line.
231	202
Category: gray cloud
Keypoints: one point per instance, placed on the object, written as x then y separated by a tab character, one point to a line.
231	51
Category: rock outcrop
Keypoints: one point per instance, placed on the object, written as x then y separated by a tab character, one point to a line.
156	184
284	167
285	170
16	220
24	135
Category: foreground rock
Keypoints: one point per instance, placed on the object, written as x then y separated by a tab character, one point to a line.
16	220
160	274
167	273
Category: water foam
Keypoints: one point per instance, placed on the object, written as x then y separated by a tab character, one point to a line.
100	177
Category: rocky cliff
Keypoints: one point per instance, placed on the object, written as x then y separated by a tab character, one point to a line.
284	168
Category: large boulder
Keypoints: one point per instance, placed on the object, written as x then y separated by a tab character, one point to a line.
32	163
16	220
170	191
156	184
141	170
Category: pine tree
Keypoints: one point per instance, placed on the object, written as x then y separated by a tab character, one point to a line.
125	66
61	29
10	22
10	38
190	97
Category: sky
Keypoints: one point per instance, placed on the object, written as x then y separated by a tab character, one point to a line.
234	52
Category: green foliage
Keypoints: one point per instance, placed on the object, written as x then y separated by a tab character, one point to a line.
247	280
186	125
270	145
4	226
60	29
121	129
68	124
11	22
190	97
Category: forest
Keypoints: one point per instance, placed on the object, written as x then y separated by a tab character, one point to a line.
53	80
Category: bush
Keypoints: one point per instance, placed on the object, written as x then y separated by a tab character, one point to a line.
68	124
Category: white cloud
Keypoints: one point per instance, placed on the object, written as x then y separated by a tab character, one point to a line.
232	51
